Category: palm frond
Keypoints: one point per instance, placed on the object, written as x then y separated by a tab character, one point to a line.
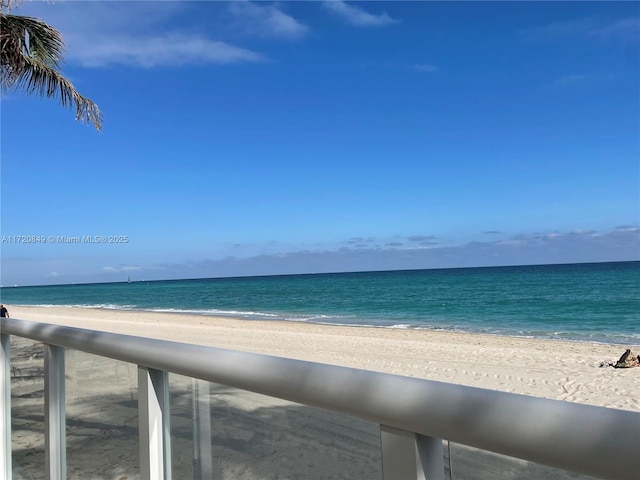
31	55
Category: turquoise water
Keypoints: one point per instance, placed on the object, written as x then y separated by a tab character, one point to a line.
584	302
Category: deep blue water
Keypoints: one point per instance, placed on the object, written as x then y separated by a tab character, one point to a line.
584	302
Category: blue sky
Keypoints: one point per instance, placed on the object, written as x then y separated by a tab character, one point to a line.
256	138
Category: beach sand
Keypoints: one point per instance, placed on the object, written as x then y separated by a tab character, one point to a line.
257	436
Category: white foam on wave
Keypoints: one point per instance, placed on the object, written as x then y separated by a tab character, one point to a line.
105	306
616	338
242	314
233	313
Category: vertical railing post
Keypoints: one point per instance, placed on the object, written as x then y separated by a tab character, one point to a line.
202	466
154	425
430	457
55	443
409	456
5	405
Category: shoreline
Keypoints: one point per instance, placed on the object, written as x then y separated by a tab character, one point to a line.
278	319
548	368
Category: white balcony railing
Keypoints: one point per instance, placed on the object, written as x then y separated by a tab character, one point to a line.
414	415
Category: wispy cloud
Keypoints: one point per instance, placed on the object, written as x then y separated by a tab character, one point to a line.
266	20
625	29
357	16
572	80
556	30
99	34
627	228
619	244
172	50
423	240
122	268
359	240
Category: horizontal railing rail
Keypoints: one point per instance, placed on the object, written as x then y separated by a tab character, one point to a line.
592	440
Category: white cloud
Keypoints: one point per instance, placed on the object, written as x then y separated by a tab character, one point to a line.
172	50
122	268
266	20
627	228
142	34
357	16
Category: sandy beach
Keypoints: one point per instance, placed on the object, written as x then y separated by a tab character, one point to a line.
557	370
250	448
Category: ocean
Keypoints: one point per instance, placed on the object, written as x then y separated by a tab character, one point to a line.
592	302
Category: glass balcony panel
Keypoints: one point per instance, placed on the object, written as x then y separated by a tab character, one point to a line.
102	418
256	437
27	408
469	463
